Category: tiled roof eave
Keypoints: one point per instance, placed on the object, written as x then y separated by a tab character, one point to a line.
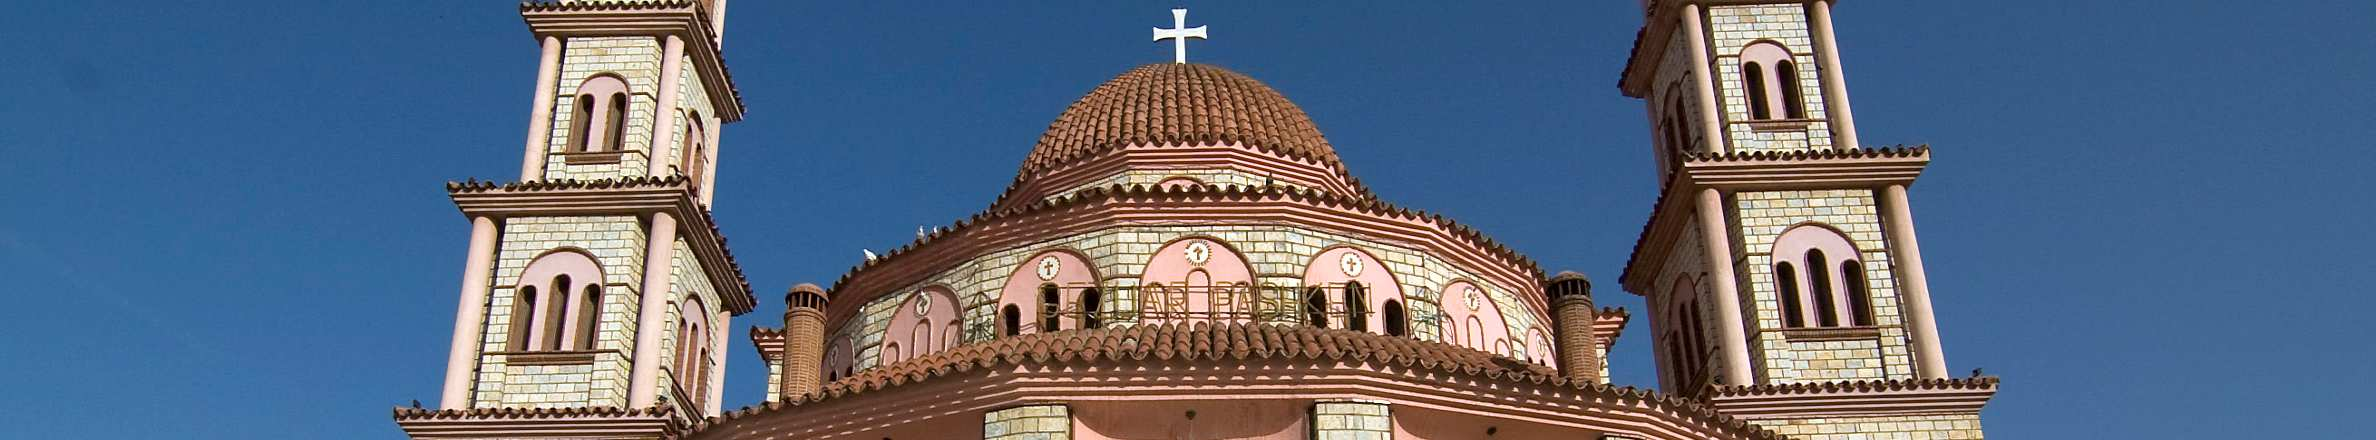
1859	397
1145	193
1177	343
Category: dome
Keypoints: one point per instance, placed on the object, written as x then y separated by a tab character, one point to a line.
1179	104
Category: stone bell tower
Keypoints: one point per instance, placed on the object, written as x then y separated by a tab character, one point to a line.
597	288
1781	268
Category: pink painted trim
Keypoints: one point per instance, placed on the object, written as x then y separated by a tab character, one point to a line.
1169	266
1376	278
582	270
1792	246
672	57
925	334
470	315
643	382
1930	360
1726	297
1022	289
540	113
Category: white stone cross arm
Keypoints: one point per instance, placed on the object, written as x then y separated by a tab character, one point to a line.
1179	34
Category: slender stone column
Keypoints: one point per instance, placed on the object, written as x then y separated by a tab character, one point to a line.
1835	80
643	383
1702	73
540	116
1930	362
470	315
664	114
804	341
1735	341
709	176
720	321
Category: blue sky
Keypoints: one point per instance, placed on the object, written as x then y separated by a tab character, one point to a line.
226	219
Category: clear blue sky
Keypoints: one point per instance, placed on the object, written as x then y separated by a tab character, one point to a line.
225	219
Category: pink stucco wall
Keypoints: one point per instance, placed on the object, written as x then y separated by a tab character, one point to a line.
1170	267
1022	288
1481	329
1328	269
915	334
1223	419
1792	247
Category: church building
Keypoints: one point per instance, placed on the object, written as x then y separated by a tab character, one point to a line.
1181	255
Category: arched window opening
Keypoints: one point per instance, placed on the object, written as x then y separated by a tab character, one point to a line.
890	354
1315	305
1682	131
617	122
1011	319
1090	306
1826	307
1753	77
921	336
1786	280
1396	323
523	317
1476	333
589	315
556	312
1051	308
1860	300
1787	80
693	346
696	160
581	123
1356	307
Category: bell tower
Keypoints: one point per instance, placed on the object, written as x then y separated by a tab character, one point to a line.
597	288
1780	264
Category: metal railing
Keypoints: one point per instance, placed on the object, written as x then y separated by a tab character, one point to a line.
1219	303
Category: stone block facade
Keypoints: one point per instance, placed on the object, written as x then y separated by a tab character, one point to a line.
617	243
1035	422
1278	254
1732	29
1352	420
1904	427
1786	355
634	59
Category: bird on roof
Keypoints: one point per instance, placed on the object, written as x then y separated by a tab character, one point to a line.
416	403
870	255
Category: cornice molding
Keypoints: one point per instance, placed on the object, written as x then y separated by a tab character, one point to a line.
598	422
1760	171
1855	398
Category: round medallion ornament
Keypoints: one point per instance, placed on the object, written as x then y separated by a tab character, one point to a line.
923	303
1473	299
1048	267
1198	252
1350	263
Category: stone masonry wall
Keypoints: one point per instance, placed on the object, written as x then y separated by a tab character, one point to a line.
1278	253
1763	216
1036	422
1685	260
1733	28
687	280
617	244
635	59
1352	421
692	99
1675	81
1912	427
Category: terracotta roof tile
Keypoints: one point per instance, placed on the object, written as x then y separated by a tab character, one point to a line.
1982	383
1187	104
404	413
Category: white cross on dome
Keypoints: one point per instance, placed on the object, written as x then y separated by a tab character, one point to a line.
1179	34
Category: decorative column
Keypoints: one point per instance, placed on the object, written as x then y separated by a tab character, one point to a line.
664	113
651	319
1711	122
1727	294
1930	362
804	341
1579	348
1835	80
540	115
470	316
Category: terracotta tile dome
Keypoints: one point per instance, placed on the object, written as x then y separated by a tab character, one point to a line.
1179	104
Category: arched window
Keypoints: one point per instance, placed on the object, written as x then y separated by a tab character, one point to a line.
1786	280
556	311
581	123
617	121
693	346
696	160
1753	76
890	354
523	318
1356	307
1051	309
1770	78
1827	309
600	109
1315	305
1787	80
1396	323
1090	306
921	337
1011	320
1860	301
589	314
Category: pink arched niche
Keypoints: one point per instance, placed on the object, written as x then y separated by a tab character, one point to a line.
1328	270
1072	274
1481	328
1538	346
920	325
1177	286
1792	248
564	312
840	360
